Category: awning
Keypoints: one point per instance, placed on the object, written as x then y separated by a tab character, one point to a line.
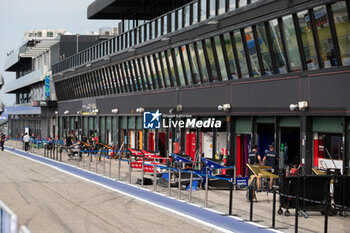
131	9
26	80
21	110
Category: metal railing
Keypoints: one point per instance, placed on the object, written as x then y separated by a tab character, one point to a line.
9	221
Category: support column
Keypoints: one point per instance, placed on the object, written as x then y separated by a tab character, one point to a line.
156	140
198	140
231	143
306	143
214	143
276	135
346	169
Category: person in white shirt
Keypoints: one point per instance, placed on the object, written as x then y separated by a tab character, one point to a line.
26	140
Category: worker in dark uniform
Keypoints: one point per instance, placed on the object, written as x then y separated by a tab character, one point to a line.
253	156
271	159
255	159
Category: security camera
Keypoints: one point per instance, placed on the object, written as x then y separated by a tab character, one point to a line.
140	110
293	107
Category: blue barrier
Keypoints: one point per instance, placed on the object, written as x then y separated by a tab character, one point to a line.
8	220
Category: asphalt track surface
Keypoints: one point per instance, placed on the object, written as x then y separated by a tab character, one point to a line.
48	200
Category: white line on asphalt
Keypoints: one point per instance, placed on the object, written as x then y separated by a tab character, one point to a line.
127	194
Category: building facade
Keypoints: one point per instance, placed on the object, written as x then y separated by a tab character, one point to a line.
278	69
36	101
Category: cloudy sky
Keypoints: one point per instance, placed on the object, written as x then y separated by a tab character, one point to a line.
19	16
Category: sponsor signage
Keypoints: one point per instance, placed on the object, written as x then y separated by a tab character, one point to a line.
154	120
47	86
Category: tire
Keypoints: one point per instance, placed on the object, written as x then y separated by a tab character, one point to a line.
287	213
280	212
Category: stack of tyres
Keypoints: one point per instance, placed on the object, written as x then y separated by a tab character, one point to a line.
341	194
313	191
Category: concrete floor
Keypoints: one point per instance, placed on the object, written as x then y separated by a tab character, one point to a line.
218	199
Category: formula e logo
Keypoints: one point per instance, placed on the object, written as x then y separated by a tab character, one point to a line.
151	120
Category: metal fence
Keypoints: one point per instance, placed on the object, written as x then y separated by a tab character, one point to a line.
9	221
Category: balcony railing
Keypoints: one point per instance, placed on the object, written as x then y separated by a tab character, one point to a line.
189	14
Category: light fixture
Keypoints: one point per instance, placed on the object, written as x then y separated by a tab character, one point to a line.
165	39
96	110
131	50
301	105
79	112
224	107
115	111
88	65
212	22
140	110
66	112
179	108
56	112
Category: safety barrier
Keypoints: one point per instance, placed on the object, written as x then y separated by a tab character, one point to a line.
9	221
301	203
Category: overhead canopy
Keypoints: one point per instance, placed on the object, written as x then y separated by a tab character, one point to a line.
131	9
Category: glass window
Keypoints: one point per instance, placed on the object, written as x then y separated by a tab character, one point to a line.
126	77
211	58
264	48
222	6
277	47
165	24
195	12
187	15
113	79
203	10
166	71
144	75
212	4
291	43
154	71
308	41
342	27
148	72
232	4
252	51
159	20
171	67
142	34
179	19
230	56
158	68
187	65
147	28
130	75
221	58
117	79
173	20
241	54
193	60
242	3
137	74
327	51
122	79
179	67
203	65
